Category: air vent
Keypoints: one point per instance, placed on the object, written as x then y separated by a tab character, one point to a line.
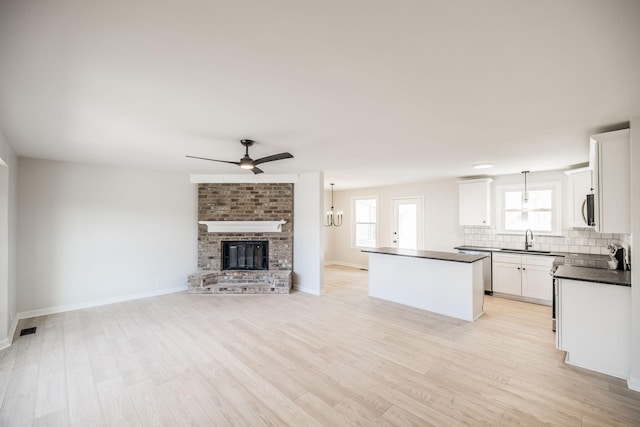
28	331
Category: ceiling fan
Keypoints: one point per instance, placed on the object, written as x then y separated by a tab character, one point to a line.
247	162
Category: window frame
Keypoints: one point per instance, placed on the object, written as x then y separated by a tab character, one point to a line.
354	222
556	206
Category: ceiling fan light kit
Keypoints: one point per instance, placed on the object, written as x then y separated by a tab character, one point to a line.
246	162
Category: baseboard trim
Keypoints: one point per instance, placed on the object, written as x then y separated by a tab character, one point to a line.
96	303
346	264
5	343
633	383
307	290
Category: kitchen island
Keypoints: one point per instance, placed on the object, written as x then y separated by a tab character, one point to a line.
441	282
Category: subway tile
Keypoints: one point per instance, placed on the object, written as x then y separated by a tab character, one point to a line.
594	250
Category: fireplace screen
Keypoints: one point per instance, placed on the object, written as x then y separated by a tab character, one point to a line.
245	255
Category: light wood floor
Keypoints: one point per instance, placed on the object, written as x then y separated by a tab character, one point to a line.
300	360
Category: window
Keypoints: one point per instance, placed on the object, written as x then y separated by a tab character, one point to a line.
365	226
541	213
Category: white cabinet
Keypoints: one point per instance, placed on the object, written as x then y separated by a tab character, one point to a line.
524	276
580	184
475	201
594	326
507	277
537	282
610	154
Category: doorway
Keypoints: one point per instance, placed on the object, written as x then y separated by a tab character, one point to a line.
407	223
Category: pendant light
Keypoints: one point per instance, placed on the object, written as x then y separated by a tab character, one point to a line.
333	220
525	195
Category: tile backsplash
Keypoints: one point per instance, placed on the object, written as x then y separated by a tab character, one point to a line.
584	241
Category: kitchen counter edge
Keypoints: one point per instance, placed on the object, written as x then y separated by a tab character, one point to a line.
594	275
414	253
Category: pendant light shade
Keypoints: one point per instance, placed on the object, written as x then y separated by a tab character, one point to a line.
525	194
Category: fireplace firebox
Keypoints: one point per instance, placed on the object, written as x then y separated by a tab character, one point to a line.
245	255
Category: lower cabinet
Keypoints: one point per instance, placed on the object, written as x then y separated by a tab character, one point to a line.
523	276
594	326
507	277
537	282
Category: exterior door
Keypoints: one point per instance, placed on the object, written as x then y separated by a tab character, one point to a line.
407	223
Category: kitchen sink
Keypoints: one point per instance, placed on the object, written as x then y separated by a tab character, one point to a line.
526	251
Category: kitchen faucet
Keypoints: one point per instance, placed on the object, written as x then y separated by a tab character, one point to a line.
528	243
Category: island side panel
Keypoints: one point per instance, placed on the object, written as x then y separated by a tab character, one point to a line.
478	288
443	287
594	326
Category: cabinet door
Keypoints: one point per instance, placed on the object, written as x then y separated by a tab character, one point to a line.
507	278
475	202
536	282
612	177
579	186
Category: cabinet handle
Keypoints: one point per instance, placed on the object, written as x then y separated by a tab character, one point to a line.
518	268
584	216
523	268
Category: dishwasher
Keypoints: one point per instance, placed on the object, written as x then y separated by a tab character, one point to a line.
486	267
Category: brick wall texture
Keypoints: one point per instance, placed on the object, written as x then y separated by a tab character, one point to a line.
245	202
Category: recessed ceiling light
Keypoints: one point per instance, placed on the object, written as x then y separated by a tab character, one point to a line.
482	166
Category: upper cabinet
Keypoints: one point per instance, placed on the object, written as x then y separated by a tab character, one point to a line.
609	159
475	201
580	185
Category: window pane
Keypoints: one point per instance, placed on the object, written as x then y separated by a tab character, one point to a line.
536	221
366	235
540	221
512	200
366	210
540	199
514	221
365	222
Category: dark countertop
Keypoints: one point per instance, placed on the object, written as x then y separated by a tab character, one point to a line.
570	258
442	256
596	275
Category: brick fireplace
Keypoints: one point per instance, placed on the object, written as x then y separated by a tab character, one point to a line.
248	203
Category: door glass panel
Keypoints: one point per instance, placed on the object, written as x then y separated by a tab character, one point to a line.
407	223
408	226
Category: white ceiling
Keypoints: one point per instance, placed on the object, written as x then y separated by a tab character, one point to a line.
372	92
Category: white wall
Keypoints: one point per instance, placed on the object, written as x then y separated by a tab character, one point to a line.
90	234
634	380
328	240
8	218
308	233
441	229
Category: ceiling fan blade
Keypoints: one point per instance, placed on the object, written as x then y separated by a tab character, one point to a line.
256	170
214	160
275	157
